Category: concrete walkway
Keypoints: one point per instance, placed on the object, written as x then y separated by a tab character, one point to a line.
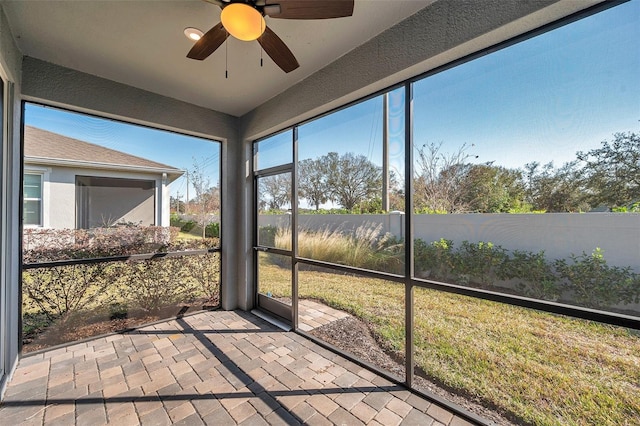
216	368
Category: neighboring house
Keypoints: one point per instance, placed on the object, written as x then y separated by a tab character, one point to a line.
69	183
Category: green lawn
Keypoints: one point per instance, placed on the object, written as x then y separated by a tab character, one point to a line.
536	367
188	236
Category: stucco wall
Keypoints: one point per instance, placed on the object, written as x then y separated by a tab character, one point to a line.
68	88
10	65
59	196
558	234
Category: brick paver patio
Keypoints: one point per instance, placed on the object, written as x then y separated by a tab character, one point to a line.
313	314
213	368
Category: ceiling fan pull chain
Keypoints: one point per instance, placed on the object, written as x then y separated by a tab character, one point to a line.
226	57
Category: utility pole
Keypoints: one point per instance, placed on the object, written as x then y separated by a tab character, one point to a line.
178	202
385	152
186	202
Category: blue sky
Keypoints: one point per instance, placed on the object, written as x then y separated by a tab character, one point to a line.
539	100
542	99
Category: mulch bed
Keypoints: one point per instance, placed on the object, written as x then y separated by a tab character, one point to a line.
89	324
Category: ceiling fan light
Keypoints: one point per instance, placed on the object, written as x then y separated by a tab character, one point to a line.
242	21
193	33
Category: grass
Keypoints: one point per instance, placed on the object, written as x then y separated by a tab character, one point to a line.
271	280
535	367
188	236
366	247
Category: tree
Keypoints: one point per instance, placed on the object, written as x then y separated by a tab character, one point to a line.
211	199
554	190
493	189
396	192
313	181
441	180
176	204
352	179
612	172
207	198
275	191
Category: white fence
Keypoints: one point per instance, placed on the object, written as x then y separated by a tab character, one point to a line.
558	234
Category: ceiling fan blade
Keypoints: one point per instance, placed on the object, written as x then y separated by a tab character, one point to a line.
216	2
208	43
278	51
312	9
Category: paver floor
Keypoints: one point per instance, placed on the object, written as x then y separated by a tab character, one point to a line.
214	368
313	314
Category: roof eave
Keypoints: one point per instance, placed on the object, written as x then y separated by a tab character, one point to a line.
172	173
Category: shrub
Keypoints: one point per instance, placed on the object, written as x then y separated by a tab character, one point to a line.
45	245
34	323
59	291
478	262
62	290
188	225
154	284
534	274
212	230
175	220
267	235
435	260
205	270
632	208
594	284
371	206
585	280
194	244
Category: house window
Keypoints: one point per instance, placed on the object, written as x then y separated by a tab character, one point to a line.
32	189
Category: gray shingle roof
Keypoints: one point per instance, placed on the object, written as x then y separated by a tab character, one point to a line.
42	144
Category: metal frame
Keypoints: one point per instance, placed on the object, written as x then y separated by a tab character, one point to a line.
611	318
124	258
408	279
133	257
294	232
284	312
408	246
4	288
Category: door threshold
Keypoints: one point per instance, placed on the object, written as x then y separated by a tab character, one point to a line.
271	320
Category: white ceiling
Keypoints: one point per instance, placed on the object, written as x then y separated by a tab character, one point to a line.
141	43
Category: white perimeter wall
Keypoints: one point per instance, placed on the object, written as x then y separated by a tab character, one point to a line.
558	234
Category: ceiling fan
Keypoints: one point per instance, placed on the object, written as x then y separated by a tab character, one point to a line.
244	19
